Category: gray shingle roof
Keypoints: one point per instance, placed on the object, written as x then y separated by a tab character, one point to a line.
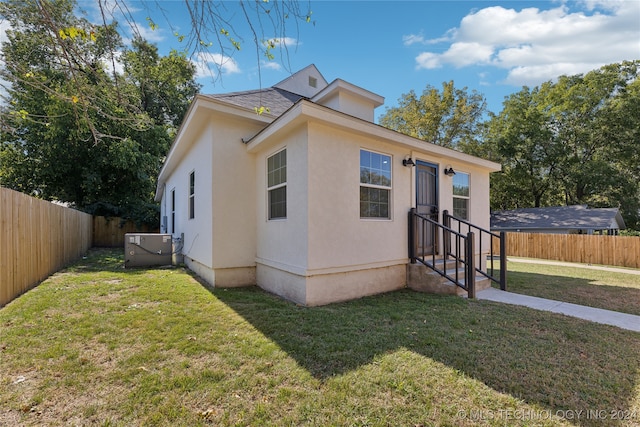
277	100
578	217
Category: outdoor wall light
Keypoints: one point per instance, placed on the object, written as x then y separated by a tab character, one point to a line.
408	162
449	171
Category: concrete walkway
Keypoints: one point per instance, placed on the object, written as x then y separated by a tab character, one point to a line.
598	315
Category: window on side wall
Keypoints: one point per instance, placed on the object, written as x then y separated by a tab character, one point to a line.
461	195
375	185
277	185
173	210
192	195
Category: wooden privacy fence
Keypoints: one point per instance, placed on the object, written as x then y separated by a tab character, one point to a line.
37	238
623	251
109	232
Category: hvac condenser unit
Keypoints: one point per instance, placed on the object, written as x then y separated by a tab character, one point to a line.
144	249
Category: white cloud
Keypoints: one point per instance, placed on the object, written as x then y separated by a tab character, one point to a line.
146	32
4	26
208	64
112	9
271	65
413	39
410	39
536	45
115	63
125	12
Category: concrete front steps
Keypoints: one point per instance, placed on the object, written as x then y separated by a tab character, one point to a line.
423	279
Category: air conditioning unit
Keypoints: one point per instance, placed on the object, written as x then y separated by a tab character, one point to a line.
146	249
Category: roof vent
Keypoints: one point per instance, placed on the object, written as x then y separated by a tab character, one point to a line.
313	82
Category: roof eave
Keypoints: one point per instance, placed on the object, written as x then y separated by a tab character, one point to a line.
339	84
305	109
186	129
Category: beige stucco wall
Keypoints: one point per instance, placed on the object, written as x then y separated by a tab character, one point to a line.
331	287
283	243
323	251
351	104
233	195
335	287
222	236
283	283
340	238
197	245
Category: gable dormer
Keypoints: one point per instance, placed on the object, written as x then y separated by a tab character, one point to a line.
306	82
349	99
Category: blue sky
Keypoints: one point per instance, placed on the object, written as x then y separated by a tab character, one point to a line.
494	47
392	47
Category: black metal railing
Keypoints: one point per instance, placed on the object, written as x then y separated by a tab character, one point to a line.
497	275
459	250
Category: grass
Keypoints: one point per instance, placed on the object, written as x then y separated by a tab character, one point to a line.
99	345
595	288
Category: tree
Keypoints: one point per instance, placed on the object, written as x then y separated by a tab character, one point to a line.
450	118
216	30
77	132
571	142
527	148
76	129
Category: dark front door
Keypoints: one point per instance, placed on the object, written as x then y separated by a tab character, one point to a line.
427	205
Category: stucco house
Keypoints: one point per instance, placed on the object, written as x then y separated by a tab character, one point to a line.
309	199
576	219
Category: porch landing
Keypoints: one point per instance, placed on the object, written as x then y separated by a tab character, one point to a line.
422	279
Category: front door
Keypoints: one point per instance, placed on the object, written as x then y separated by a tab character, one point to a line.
427	205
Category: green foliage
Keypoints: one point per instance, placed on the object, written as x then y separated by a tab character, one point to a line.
525	145
450	117
570	142
76	131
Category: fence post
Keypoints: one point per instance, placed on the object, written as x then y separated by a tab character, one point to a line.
471	269
503	260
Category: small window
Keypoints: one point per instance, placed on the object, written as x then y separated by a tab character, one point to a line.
313	82
375	185
192	195
173	211
277	185
461	195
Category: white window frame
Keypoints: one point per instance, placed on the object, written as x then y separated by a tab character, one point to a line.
281	184
369	185
467	198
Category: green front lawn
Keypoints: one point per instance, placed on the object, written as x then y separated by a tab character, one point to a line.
595	288
100	345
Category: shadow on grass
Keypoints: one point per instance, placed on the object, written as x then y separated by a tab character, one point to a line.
576	290
107	259
557	362
99	259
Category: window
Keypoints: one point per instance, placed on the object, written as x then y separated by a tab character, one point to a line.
277	185
461	195
173	210
313	82
375	185
192	195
